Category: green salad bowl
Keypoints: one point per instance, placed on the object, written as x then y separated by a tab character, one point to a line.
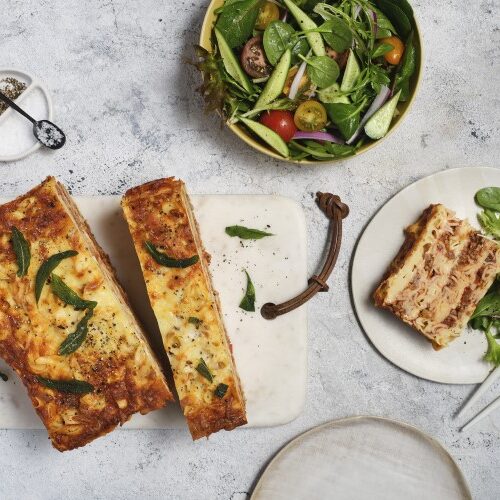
206	40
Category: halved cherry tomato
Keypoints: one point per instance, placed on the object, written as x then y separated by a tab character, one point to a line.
394	56
281	122
268	13
310	116
253	59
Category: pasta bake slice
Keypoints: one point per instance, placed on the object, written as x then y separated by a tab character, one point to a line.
175	269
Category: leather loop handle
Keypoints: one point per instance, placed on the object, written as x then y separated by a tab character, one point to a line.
335	210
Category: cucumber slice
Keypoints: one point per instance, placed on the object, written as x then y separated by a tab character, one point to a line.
306	23
231	63
351	73
276	82
378	125
330	95
267	135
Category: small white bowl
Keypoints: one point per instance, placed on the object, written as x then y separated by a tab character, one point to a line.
32	83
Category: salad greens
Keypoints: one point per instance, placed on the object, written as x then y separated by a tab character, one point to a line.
486	316
270	69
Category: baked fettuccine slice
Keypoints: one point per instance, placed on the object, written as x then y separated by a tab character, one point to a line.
441	272
175	269
65	324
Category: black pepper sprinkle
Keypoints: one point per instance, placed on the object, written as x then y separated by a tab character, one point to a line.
12	88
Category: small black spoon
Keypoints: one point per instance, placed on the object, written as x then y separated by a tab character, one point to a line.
46	132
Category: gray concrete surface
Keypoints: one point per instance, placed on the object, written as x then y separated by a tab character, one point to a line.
126	99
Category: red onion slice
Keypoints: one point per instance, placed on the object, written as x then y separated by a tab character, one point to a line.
317	136
377	103
294	87
375	22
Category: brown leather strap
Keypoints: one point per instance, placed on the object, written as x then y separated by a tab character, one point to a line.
335	210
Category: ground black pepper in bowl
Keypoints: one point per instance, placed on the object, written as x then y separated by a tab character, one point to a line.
12	88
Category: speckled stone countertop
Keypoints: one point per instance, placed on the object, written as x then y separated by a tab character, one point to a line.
126	99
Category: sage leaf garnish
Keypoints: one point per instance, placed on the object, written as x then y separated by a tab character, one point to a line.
165	260
246	233
72	386
75	340
22	250
69	296
195	321
203	370
46	270
220	390
248	301
4	377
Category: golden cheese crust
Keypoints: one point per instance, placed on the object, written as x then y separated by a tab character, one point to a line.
185	305
441	272
114	358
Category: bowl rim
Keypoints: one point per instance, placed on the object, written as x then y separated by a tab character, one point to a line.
204	41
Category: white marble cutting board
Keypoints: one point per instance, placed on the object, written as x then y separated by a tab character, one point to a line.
270	355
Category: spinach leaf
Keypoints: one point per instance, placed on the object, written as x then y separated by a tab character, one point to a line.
489	305
345	117
72	386
75	340
490	222
489	197
237	20
406	70
322	70
338	34
203	370
166	261
405	7
384	26
46	270
493	353
22	250
382	49
277	38
246	233
68	296
248	301
220	390
396	15
301	48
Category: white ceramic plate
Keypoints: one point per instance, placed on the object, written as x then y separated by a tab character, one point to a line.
461	362
362	458
274	385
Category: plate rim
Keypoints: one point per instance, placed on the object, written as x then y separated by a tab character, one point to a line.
348	420
354	260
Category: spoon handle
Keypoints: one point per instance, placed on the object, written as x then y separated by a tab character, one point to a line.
12	104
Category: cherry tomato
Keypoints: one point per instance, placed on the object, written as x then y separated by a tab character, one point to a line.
304	85
394	56
253	59
339	57
310	116
268	13
281	122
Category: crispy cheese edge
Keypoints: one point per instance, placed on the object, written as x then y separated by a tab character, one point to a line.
114	358
160	212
